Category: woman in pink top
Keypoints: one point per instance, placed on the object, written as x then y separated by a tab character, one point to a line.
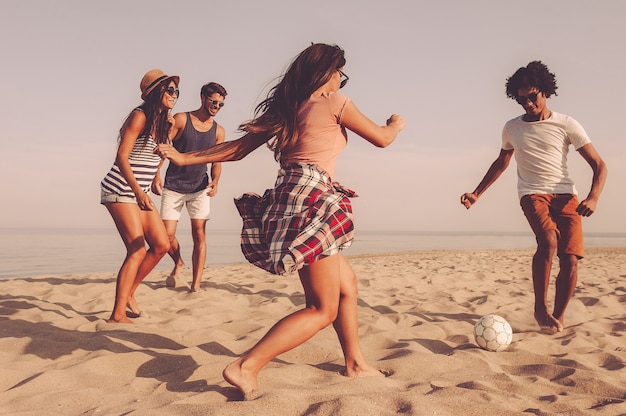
304	222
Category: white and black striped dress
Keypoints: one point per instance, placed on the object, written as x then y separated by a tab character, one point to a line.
144	164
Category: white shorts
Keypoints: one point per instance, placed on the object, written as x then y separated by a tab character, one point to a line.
198	205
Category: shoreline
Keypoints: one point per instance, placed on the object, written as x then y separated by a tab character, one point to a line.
25	253
416	315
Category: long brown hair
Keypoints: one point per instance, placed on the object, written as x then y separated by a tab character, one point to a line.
157	123
276	115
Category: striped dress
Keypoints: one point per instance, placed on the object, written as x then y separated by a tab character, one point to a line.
144	164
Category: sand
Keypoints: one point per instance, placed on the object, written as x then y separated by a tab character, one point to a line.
58	356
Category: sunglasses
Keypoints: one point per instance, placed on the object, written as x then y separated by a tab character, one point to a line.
171	91
344	79
532	97
216	103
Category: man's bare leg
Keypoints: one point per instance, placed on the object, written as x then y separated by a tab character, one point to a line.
565	285
541	268
174	252
198	232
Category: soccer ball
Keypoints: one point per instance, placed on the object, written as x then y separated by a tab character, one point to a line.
493	333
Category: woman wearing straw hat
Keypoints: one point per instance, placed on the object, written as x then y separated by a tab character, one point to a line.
124	190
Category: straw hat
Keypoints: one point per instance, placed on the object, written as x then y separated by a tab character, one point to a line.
152	79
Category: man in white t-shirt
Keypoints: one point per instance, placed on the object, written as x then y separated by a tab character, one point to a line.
540	140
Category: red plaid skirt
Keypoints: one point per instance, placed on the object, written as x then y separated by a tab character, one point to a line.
304	218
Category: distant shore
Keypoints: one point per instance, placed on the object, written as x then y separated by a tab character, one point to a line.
34	252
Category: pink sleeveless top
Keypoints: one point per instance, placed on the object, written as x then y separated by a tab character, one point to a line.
322	138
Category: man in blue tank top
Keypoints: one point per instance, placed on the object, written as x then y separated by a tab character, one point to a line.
191	186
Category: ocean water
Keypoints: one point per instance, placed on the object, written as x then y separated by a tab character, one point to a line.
35	252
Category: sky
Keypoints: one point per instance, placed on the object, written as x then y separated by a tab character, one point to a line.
71	70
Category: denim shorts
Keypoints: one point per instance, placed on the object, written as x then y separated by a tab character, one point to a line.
108	197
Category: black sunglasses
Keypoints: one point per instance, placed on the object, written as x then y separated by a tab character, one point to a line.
532	97
171	91
344	80
220	104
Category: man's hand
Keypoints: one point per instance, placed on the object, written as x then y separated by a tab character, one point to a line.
468	199
211	189
587	207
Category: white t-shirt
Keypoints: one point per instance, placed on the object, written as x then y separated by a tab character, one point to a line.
540	149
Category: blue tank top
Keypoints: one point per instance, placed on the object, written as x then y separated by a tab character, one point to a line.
192	178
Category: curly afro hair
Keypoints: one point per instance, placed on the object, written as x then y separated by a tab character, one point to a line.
535	74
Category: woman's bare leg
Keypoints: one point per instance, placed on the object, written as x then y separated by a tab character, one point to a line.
128	223
158	241
321	284
347	325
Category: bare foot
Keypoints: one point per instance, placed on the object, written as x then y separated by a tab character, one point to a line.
548	323
175	281
172	279
561	321
132	305
238	377
124	320
195	289
364	370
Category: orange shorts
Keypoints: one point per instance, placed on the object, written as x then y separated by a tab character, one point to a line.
556	212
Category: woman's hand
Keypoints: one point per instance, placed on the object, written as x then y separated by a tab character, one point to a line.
397	121
167	151
157	184
145	202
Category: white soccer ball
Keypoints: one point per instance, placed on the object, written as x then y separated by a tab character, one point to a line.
493	333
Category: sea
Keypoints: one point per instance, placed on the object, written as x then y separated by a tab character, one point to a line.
37	252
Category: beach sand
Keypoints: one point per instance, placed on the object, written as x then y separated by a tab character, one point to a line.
58	356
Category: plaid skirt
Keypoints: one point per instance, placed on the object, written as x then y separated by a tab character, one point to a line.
304	218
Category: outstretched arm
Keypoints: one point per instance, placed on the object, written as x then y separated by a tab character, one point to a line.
589	204
224	152
379	136
494	172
